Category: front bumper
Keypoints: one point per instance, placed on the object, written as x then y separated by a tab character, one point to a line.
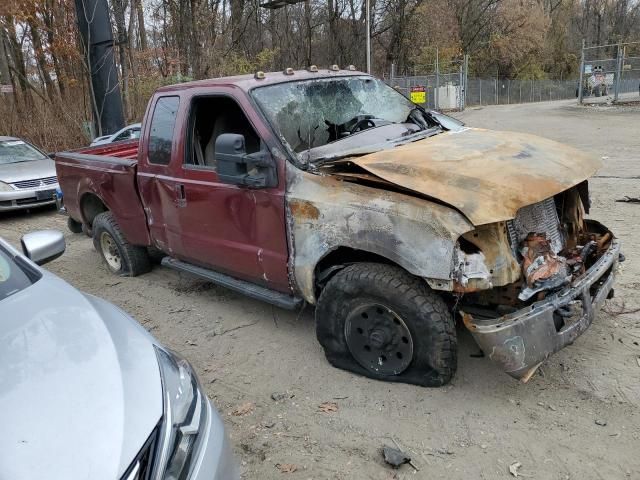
521	341
28	198
214	459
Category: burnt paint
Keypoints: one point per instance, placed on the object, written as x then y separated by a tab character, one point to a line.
414	233
486	175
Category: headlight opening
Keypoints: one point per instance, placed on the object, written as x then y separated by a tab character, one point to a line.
184	417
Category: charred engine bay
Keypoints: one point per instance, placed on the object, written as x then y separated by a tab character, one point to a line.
549	258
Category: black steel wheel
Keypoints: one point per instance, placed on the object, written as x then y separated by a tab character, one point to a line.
382	322
379	339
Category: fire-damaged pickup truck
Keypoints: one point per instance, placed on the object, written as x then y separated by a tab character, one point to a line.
331	188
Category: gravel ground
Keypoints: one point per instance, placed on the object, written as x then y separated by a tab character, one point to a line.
576	419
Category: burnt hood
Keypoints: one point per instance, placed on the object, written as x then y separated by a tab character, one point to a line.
486	175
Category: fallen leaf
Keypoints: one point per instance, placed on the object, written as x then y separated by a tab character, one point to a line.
286	467
243	409
328	407
513	469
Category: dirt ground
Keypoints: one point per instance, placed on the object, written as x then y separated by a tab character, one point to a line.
578	418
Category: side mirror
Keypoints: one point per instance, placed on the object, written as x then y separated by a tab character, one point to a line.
51	155
43	246
236	167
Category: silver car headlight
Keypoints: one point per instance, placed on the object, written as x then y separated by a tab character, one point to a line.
5	187
185	415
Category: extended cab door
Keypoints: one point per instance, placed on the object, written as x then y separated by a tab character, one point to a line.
234	229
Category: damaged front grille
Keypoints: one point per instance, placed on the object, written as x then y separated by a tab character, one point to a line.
540	217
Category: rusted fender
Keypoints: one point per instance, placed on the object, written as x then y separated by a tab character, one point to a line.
485	174
324	213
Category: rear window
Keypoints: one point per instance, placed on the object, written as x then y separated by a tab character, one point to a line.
13	278
162	124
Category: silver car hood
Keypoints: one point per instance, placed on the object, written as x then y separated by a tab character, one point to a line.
80	387
15	172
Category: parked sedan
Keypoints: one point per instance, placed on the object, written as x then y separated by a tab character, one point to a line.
27	175
129	132
86	392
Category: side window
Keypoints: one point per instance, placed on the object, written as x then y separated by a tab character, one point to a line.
210	118
161	136
123	136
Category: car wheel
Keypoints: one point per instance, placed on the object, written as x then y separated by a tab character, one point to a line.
118	254
379	321
74	226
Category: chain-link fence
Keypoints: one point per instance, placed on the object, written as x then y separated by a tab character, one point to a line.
443	86
609	72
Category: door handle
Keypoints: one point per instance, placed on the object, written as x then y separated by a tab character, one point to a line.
181	198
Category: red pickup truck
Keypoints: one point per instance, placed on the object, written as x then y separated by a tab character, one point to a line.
331	188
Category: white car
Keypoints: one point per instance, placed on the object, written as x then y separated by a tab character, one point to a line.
129	132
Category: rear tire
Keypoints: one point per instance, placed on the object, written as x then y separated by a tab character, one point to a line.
370	317
118	254
87	230
74	226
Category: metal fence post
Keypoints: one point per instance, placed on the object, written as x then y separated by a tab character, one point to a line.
436	96
466	80
480	89
581	73
618	74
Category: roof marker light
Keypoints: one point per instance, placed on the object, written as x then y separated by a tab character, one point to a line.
334	68
312	68
288	71
259	75
352	68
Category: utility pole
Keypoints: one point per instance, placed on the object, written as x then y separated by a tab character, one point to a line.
368	14
95	28
581	73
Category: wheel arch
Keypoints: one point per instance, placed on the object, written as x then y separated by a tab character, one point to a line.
341	256
91	205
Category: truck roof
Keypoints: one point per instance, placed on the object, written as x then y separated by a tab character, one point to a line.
249	81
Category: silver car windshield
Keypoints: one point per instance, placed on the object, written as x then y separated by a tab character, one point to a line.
306	112
12	277
15	151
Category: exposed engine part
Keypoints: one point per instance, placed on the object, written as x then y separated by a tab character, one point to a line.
540	217
542	268
472	266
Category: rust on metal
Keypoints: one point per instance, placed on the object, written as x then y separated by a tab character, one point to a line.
303	209
540	264
486	175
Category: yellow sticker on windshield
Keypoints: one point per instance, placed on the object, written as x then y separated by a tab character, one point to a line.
418	95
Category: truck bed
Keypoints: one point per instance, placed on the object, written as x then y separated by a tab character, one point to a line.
104	177
127	149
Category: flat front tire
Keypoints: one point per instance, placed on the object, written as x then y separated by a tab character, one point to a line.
118	254
379	321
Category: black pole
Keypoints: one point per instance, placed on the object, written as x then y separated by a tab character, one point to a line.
95	28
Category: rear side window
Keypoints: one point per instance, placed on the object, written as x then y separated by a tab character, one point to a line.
162	123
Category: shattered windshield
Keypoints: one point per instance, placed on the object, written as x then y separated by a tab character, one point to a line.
14	151
313	113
